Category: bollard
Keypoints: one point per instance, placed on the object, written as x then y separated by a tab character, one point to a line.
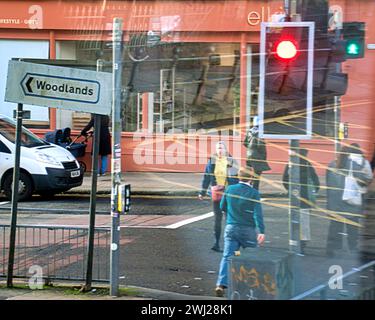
261	274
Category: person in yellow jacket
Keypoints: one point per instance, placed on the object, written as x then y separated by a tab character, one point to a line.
221	171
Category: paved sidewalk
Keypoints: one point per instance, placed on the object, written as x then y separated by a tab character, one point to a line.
183	184
70	291
161	183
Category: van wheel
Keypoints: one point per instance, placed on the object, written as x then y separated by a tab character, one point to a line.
25	186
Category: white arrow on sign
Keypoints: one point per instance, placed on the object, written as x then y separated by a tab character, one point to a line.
61	88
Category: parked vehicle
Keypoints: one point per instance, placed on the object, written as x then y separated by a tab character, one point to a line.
45	168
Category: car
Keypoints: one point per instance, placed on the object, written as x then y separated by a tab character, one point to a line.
45	168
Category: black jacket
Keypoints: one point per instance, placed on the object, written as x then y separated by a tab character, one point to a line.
105	136
256	152
309	181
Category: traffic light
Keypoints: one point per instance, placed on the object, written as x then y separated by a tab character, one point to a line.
286	80
286	49
354	35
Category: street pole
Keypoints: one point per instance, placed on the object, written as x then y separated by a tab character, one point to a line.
16	175
294	176
294	194
94	183
116	154
337	102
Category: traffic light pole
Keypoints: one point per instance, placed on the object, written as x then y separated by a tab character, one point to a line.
116	154
294	195
337	103
294	179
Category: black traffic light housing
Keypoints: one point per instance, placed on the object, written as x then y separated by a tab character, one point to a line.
354	35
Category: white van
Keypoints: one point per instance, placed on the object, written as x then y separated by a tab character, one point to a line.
45	168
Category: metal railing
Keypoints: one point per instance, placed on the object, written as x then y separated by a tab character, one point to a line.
60	251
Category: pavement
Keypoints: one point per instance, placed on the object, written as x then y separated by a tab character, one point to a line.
142	183
162	183
182	184
71	291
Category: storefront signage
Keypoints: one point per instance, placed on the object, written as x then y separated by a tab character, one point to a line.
256	17
59	87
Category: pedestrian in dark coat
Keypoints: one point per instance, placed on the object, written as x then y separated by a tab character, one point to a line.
104	141
256	153
309	184
336	173
221	171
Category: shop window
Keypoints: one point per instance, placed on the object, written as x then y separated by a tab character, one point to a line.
193	86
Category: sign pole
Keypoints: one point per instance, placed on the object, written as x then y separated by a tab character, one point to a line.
94	183
116	154
16	174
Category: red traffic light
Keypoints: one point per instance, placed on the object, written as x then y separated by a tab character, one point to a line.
286	50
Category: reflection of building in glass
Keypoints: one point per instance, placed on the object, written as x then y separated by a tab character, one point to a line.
191	66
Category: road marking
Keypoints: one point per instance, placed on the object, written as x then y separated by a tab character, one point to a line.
173	225
4	202
129	221
325	285
190	220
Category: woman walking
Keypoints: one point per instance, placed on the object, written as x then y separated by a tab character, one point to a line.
350	161
221	171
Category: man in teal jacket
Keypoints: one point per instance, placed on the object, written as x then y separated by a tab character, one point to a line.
244	226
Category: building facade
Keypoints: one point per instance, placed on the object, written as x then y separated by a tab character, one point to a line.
192	68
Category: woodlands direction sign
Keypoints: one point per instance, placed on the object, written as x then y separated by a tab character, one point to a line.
59	87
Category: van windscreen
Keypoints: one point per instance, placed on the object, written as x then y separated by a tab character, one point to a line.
28	139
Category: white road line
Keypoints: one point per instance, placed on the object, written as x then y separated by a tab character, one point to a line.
4	202
325	285
190	220
171	226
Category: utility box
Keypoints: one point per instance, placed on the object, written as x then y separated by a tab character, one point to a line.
261	274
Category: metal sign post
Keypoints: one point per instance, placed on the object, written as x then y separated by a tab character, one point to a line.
116	154
16	172
94	183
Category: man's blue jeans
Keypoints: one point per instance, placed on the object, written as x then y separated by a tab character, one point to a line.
235	236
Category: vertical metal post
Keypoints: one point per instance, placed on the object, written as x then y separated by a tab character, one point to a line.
116	154
294	194
94	182
16	174
337	102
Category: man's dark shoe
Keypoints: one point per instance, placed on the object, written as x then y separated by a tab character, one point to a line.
216	248
219	290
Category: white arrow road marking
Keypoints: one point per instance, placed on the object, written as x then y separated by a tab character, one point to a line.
4	202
